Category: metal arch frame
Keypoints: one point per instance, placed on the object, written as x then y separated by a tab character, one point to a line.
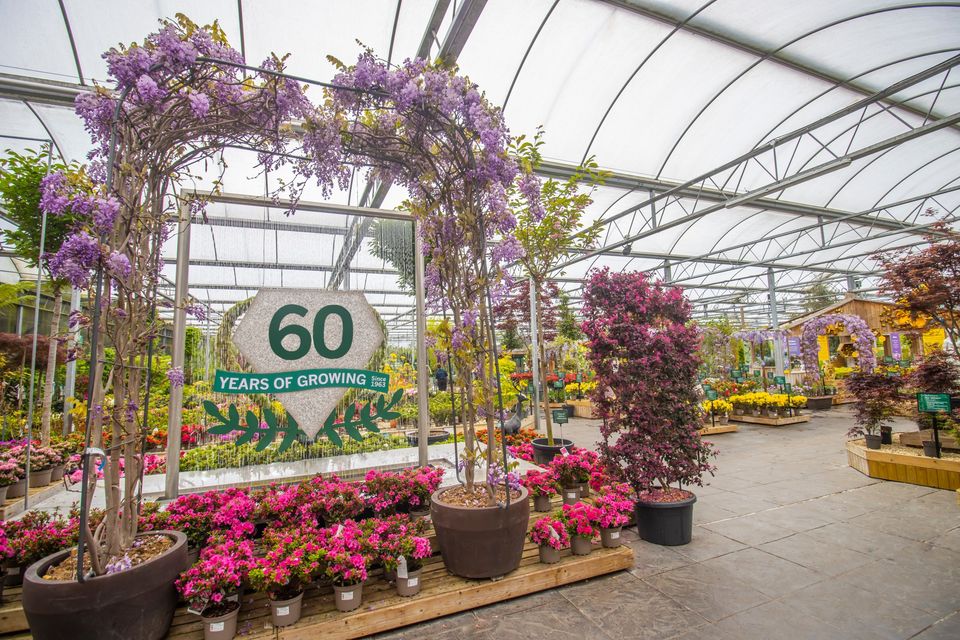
73	43
526	53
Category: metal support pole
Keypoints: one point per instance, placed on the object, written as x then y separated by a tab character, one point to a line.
775	322
70	380
179	334
535	357
36	333
423	402
851	284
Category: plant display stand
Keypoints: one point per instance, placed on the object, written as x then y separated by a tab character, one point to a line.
719	428
770	422
940	473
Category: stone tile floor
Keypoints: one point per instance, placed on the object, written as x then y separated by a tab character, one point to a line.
789	543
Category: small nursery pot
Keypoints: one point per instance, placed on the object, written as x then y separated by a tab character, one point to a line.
221	627
409	586
56	474
3	493
283	613
549	555
929	448
610	538
40	478
541	504
571	496
17	489
873	440
886	435
584	489
13	576
419	514
581	546
349	598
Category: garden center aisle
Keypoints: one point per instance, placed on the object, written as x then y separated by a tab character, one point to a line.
789	542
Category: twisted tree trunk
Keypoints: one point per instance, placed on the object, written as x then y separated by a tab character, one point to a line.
51	368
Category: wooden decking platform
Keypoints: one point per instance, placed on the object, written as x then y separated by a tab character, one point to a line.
771	422
719	428
14	506
940	473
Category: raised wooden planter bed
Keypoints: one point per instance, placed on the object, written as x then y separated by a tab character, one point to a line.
582	408
719	428
770	422
940	473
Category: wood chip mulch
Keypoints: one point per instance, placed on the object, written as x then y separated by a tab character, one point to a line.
148	547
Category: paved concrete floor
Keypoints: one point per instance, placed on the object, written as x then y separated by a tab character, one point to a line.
788	543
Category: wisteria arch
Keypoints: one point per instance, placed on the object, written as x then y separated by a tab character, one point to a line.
858	328
182	96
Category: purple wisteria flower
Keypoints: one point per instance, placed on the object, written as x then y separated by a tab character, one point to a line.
119	265
175	376
855	325
75	260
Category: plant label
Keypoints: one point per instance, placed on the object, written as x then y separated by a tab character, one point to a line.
285	611
564	452
339	531
933	402
402	568
216	626
780	379
194	611
346	595
554	534
614	535
412	582
571	495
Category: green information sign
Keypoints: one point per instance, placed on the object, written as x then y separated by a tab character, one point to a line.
780	379
711	394
933	402
560	416
770	375
303	380
788	387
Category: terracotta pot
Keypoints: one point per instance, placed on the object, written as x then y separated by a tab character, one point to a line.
56	474
549	555
349	598
137	604
666	523
873	440
284	613
409	586
571	496
541	504
221	627
481	543
584	489
581	546
40	478
544	453
610	538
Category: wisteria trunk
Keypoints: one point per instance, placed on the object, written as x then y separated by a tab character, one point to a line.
51	368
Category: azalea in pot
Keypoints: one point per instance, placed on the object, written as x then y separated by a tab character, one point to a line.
290	563
581	521
645	353
403	555
344	563
550	535
211	584
11	473
542	485
615	504
422	482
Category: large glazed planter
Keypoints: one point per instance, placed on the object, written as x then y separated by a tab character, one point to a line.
819	403
544	453
137	604
666	523
481	543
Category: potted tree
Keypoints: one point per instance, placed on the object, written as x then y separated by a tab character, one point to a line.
550	535
644	351
938	372
876	398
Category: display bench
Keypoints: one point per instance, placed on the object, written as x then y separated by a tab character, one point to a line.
940	473
14	506
770	422
712	430
582	408
382	609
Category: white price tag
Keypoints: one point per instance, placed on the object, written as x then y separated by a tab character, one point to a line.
283	611
346	595
216	626
339	531
571	495
615	535
402	568
554	534
564	452
412	582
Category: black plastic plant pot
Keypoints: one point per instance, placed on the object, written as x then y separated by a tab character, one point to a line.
929	448
666	523
569	408
544	453
886	435
873	440
819	403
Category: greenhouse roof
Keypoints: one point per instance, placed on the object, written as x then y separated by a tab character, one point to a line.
749	142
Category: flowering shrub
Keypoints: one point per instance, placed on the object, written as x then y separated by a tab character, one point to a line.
574	468
330	500
414	549
523	436
37	534
11	471
343	561
41	458
581	519
644	352
385	491
541	483
422	482
220	571
550	532
615	505
521	451
6	550
291	561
